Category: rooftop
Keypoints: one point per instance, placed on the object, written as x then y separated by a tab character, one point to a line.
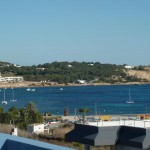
9	142
137	138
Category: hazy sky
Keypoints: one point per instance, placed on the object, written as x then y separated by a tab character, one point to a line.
108	31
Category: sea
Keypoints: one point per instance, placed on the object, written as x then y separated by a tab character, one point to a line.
99	100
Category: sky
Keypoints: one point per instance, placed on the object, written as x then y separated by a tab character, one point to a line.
35	32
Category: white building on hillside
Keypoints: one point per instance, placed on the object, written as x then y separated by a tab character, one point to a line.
81	81
128	67
11	79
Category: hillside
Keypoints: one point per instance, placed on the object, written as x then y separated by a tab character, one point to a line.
142	75
77	73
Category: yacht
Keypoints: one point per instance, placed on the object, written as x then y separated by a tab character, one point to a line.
4	102
130	101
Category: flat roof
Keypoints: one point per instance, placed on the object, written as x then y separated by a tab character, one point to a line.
136	137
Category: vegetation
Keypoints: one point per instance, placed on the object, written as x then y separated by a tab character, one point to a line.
21	117
83	111
66	112
69	72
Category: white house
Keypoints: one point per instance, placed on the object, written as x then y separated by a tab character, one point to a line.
35	128
128	67
69	66
81	81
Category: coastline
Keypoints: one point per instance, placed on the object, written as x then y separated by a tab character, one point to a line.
40	84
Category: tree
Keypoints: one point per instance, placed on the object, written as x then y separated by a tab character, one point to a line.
14	110
12	115
83	111
1	110
31	114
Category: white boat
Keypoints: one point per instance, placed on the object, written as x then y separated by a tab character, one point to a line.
28	89
4	102
61	89
33	90
130	101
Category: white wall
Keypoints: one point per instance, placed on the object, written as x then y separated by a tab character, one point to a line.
36	128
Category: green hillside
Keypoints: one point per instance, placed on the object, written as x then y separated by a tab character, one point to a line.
69	72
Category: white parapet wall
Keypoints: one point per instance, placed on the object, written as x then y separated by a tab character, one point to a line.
133	123
14	132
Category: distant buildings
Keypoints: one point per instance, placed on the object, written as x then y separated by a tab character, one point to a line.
69	66
128	67
11	79
17	65
41	69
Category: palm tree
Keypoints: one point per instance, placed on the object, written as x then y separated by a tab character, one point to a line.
83	111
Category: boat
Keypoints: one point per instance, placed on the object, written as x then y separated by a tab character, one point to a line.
61	89
4	102
130	101
33	90
28	89
13	97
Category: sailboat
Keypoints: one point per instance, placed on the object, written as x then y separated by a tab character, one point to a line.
4	102
13	97
130	101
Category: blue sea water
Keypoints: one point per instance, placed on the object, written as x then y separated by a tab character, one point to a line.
98	99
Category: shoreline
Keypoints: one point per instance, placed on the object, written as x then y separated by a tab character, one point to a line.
39	84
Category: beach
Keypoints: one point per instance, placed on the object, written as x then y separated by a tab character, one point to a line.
17	84
41	84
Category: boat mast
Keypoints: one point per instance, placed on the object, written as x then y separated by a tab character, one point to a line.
4	94
13	94
129	95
